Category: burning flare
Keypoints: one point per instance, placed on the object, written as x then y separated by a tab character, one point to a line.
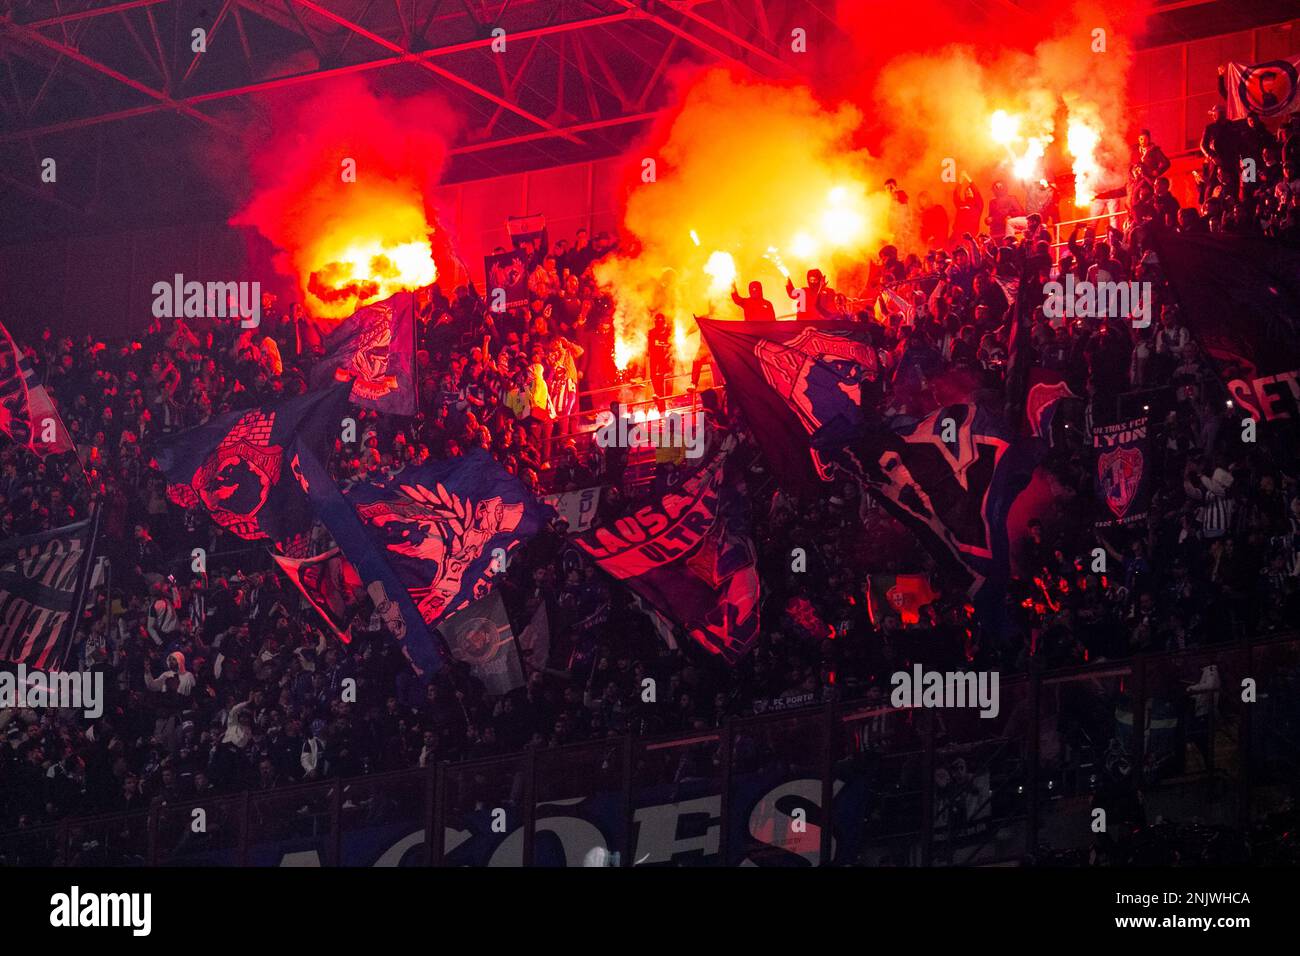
755	180
343	188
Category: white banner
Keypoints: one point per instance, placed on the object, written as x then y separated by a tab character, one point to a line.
576	507
1271	88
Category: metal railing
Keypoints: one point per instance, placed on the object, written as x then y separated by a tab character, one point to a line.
899	786
1117	217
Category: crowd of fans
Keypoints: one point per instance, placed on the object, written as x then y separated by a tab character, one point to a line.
224	681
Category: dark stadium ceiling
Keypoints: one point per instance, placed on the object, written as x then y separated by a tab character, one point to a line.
113	89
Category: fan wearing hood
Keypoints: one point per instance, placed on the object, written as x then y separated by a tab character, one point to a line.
176	671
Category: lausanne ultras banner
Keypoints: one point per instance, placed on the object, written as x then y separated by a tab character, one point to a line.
434	535
688	554
27	413
1124	471
374	350
792	379
951	479
1240	298
241	466
329	583
1271	89
41	581
480	636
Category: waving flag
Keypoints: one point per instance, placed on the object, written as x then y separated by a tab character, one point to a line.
433	535
241	466
901	594
27	413
535	639
329	583
527	229
480	636
42	586
1271	89
392	602
687	554
1047	389
951	478
792	379
1240	298
374	350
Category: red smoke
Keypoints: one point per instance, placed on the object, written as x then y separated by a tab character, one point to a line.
348	242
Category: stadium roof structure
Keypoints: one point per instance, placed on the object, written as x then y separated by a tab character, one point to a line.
110	86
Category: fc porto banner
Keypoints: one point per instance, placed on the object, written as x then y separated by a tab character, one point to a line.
688	555
330	585
480	636
951	479
42	580
374	350
1124	471
1270	89
241	466
27	413
1240	298
792	379
507	272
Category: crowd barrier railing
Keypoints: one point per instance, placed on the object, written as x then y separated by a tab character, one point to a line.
1210	734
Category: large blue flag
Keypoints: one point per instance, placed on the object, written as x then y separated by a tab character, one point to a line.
374	350
240	466
951	479
433	535
792	380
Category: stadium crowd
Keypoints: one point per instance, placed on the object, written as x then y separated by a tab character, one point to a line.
226	681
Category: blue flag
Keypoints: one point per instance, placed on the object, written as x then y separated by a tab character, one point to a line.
433	535
374	350
792	380
951	479
240	466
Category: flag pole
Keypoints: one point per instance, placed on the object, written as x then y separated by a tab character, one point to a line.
79	604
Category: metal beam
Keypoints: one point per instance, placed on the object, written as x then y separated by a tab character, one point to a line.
163	99
700	42
65	18
547	134
40	193
739	41
315	75
430	66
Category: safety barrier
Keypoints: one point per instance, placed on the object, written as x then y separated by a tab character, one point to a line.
1219	743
